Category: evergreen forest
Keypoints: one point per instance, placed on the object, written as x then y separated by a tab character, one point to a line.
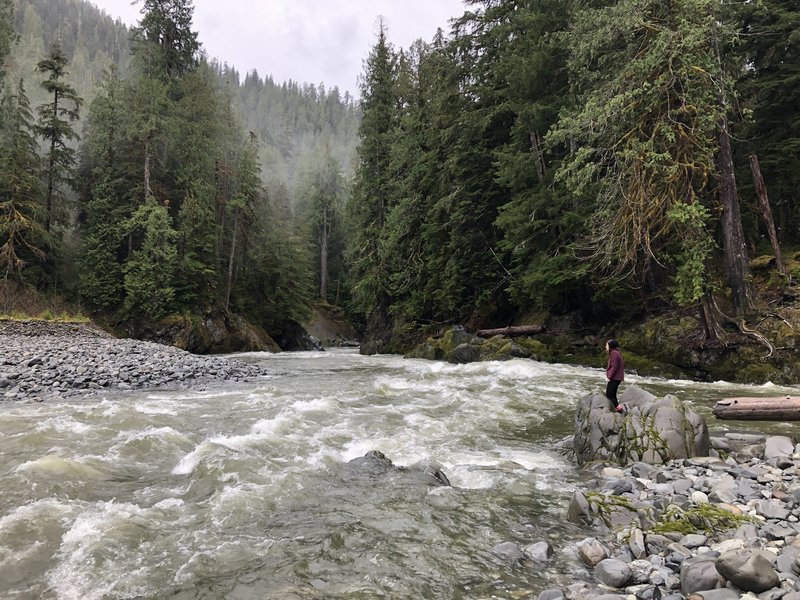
611	158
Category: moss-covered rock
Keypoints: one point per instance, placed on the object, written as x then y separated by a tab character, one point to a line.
653	430
215	332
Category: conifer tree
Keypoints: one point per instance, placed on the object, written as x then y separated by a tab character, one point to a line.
106	203
164	40
22	237
150	270
7	35
243	206
372	190
320	202
647	123
55	127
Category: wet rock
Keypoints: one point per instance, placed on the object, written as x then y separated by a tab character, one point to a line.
718	594
508	551
464	353
539	552
700	574
592	552
778	446
613	573
551	594
653	431
748	570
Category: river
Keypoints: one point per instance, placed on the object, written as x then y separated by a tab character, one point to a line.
245	491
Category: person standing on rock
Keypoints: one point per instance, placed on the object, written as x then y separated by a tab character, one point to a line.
615	373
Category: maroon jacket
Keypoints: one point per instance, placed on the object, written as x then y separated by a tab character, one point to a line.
615	371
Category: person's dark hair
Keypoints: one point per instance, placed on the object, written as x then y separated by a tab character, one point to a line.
613	344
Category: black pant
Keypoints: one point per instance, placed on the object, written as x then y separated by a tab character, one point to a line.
611	392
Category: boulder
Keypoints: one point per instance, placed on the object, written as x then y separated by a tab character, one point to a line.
700	574
778	446
612	572
464	353
653	430
748	570
539	552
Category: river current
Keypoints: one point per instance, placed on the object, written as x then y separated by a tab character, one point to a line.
246	491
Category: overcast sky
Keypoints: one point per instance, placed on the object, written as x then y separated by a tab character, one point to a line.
309	41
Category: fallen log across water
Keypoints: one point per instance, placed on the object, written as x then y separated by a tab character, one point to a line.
513	330
782	408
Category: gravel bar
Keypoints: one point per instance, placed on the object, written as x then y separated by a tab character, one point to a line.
42	360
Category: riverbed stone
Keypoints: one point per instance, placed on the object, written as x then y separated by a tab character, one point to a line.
539	552
748	570
551	594
777	446
717	594
636	543
694	540
770	509
612	572
509	551
591	551
699	574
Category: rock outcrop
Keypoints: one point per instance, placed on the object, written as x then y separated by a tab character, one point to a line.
217	332
653	430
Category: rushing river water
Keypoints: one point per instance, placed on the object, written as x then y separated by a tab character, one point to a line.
245	491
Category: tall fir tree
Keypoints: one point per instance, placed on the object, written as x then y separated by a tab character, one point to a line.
8	35
56	127
23	240
106	203
372	190
164	41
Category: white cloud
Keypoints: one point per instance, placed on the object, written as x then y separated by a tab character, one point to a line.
305	40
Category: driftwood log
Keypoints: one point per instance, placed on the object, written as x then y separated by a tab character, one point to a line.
515	330
783	408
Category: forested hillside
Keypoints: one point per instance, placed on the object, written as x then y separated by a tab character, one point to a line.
584	158
145	181
592	163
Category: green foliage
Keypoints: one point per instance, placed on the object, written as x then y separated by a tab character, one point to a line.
648	82
696	246
22	238
769	91
150	270
372	189
700	518
55	127
164	41
7	34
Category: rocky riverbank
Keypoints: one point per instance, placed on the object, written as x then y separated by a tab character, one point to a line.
702	528
45	361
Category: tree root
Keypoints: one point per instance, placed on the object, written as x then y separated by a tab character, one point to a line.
756	335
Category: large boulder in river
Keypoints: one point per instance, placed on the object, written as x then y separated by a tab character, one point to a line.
653	430
214	332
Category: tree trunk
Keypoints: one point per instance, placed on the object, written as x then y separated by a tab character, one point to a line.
147	191
51	162
784	408
323	258
766	211
710	318
538	155
513	330
229	282
737	268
